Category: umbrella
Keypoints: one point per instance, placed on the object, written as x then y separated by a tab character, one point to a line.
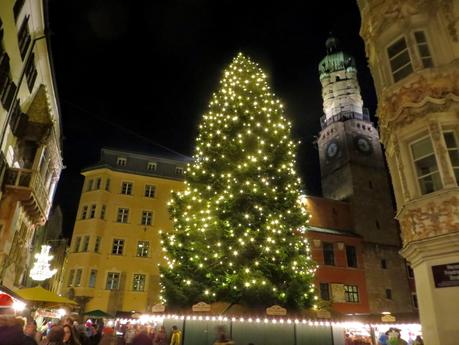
98	314
38	294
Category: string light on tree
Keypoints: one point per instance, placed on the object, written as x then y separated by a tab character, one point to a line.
41	268
236	224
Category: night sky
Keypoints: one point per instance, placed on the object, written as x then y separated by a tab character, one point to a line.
133	74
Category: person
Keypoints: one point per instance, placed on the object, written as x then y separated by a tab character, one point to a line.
10	331
383	338
108	336
160	338
418	341
30	330
55	336
130	334
141	337
69	335
176	337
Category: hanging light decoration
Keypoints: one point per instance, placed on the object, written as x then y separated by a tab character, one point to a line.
41	270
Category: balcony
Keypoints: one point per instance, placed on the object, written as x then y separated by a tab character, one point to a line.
26	186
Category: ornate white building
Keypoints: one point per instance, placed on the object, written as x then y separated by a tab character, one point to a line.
413	52
30	133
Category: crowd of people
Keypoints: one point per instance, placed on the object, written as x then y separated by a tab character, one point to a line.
20	331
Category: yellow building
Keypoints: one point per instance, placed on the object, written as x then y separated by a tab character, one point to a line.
115	248
30	133
413	52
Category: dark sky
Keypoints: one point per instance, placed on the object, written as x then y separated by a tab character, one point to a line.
128	70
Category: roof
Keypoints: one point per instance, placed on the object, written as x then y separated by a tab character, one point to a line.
39	294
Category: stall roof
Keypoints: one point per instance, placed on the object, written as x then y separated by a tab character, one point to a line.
39	294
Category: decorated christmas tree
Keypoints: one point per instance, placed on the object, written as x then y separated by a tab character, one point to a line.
238	223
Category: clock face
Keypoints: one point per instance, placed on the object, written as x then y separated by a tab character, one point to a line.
363	145
332	149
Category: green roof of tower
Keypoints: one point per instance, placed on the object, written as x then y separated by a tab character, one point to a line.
335	60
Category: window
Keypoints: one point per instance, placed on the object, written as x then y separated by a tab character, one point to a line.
24	38
410	272
98	183
89	185
178	171
92	278
150	191
71	276
97	244
399	58
453	151
76	247
329	255
126	188
138	282
147	216
143	249
121	161
383	264
107	185
388	293
78	273
423	49
117	248
351	256
102	211
113	281
18	5
123	214
85	244
370	184
151	166
84	212
414	299
351	293
325	291
92	212
426	166
378	226
30	72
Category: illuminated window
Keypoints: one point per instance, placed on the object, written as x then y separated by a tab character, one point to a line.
151	166
426	166
150	191
453	152
76	247
147	217
113	281
138	282
123	214
423	49
118	246
399	58
121	161
78	274
84	212
126	188
71	276
85	245
329	255
143	248
92	278
351	293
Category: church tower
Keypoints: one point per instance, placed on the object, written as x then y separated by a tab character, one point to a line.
353	170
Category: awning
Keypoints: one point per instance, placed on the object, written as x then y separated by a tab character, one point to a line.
98	314
38	294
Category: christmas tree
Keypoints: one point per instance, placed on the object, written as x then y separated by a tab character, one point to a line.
236	225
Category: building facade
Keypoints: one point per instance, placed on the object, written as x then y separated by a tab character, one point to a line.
353	170
413	52
30	133
115	250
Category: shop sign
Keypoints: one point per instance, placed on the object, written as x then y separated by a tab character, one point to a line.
388	318
276	310
323	314
158	308
337	291
201	306
446	275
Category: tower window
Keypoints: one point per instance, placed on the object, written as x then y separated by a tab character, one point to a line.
351	256
423	49
383	264
370	184
378	226
388	293
426	166
399	58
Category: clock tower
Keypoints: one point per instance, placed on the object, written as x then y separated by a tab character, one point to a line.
353	170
